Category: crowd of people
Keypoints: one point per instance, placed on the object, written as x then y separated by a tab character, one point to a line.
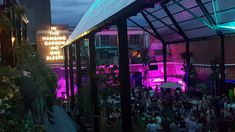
178	112
192	112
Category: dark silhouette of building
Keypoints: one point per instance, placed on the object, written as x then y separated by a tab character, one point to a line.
38	13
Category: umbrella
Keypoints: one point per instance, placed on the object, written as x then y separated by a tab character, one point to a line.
170	85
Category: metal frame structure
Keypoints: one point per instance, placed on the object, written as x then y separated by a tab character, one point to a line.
150	9
66	70
71	77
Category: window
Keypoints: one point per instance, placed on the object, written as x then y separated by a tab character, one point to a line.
108	40
136	39
97	40
104	40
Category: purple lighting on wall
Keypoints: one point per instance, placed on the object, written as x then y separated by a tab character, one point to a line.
61	89
152	78
61	86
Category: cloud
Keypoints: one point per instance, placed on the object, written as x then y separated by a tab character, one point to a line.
68	11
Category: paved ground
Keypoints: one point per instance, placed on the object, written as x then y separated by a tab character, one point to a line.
63	123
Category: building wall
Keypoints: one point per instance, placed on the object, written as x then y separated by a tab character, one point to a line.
38	13
206	50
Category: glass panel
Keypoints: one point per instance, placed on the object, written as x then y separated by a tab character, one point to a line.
102	8
202	32
183	16
174	8
158	24
226	16
191	24
226	4
138	19
167	20
172	37
165	30
188	4
160	13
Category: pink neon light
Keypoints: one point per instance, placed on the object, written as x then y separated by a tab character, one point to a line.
61	89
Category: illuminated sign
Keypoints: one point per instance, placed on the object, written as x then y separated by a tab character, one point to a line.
49	41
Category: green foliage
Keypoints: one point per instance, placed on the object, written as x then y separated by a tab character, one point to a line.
84	102
14	116
19	94
107	81
43	77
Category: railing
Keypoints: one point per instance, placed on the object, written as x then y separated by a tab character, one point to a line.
204	70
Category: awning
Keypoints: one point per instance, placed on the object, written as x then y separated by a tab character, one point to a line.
97	15
177	21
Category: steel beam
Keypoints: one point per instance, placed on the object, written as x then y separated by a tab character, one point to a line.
219	32
207	14
194	15
147	12
152	27
222	66
163	43
71	76
78	66
188	64
124	76
165	61
25	34
181	32
221	11
93	85
66	71
143	28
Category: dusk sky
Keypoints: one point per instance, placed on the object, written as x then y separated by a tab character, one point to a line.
68	11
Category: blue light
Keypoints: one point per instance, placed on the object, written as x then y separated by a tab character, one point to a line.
230	25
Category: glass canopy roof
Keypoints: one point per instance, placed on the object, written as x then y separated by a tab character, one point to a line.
210	18
173	21
98	12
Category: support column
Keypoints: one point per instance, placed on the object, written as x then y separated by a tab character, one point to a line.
78	65
187	64
162	41
165	61
93	85
71	76
222	66
66	71
25	36
19	31
124	76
